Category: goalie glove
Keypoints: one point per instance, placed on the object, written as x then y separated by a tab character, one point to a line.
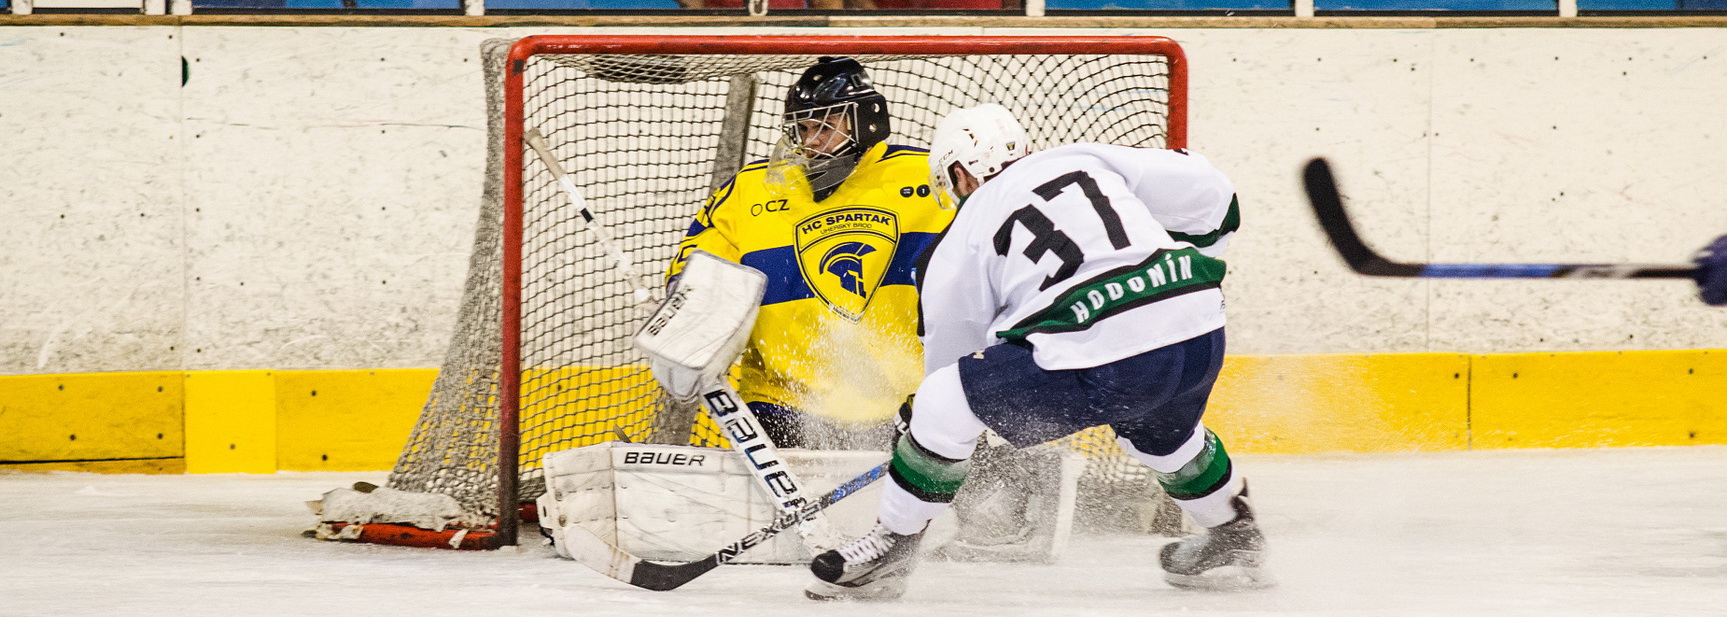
700	329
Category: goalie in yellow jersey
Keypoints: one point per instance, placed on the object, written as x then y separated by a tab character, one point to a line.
837	219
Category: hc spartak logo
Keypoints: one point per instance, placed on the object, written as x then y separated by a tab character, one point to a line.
845	253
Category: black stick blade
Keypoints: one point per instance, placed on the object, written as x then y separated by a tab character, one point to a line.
1327	204
666	577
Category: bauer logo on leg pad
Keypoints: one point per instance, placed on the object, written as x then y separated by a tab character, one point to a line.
664	458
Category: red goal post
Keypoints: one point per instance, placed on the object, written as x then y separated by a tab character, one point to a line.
663	146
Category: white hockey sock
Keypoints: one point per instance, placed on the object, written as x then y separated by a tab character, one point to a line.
1198	476
1217	508
903	513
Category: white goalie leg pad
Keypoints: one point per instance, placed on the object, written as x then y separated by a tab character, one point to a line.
681	503
701	327
1017	506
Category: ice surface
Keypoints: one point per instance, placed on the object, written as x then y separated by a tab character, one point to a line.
1572	532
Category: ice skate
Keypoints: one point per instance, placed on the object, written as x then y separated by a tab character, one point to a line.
1228	557
873	567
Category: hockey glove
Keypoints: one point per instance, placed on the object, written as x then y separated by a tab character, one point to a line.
1712	272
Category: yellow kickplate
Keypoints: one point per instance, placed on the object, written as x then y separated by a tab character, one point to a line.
347	420
1600	399
230	422
147	466
1304	404
90	416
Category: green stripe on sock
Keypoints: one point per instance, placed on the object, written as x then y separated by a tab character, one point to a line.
926	473
1201	476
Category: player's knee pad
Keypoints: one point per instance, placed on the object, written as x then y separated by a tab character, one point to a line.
1162	440
933	457
1180	455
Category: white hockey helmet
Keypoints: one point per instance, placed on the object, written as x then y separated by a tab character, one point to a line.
981	139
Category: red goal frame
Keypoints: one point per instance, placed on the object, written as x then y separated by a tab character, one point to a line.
509	384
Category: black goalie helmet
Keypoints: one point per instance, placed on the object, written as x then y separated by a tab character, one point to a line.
833	115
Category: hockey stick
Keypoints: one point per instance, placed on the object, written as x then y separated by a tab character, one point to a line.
772	475
641	289
612	561
1328	206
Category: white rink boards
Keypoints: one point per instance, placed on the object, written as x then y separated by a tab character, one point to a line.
306	198
1537	533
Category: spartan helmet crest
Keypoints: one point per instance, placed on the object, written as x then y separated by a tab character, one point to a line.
846	262
844	255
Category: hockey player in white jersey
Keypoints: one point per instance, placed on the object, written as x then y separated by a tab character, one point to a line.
1078	287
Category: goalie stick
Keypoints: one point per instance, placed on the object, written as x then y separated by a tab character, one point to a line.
639	288
612	561
1328	207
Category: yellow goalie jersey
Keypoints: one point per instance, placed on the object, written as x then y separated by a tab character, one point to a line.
837	333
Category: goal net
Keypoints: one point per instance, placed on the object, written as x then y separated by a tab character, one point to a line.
647	127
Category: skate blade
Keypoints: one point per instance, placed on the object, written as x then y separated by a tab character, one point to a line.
1226	578
880	591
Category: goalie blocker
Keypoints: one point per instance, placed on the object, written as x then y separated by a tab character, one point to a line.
701	327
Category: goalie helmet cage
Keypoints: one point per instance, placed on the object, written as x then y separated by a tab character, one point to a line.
648	127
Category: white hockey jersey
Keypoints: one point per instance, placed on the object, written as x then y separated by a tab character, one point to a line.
1088	252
